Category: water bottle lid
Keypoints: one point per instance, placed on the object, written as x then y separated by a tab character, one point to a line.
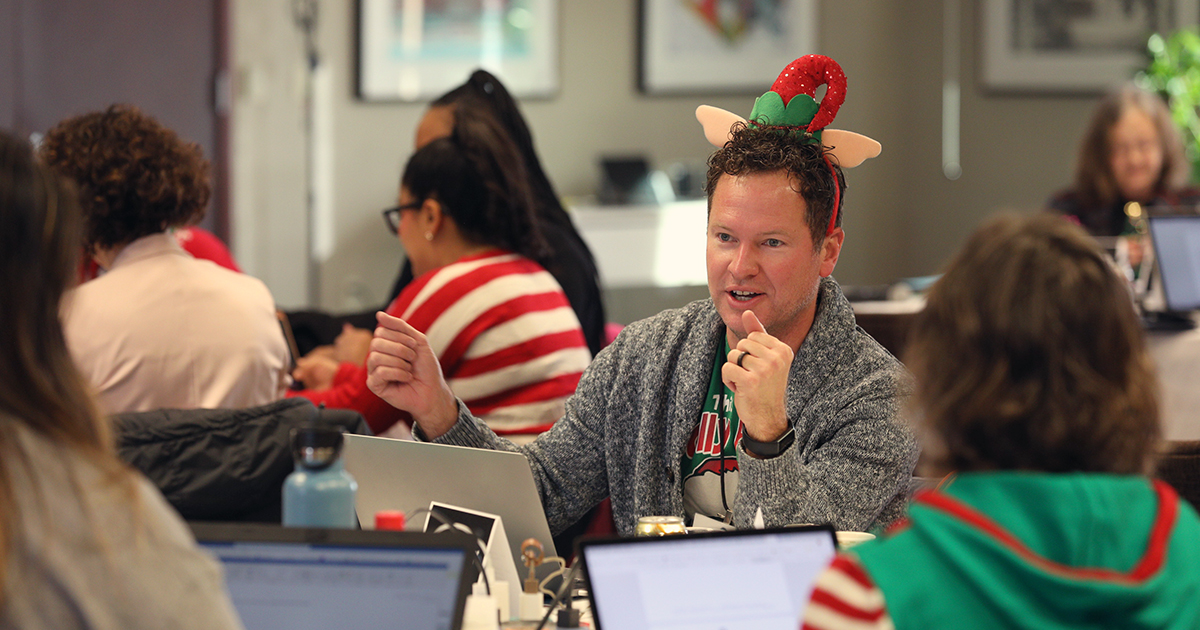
316	447
389	520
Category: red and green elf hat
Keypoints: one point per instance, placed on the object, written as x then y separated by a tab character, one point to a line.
791	107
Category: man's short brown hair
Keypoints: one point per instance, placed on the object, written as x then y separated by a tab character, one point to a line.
770	149
1029	356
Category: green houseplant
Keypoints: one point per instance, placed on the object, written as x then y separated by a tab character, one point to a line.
1174	72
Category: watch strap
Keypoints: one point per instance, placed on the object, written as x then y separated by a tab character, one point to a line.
767	450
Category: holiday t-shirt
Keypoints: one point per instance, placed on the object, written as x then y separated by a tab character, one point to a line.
717	432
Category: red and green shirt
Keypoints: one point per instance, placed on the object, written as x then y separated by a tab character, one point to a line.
700	468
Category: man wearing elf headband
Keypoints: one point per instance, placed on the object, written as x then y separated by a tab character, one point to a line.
765	398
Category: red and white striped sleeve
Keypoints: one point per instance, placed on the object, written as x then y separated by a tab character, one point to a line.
507	339
845	598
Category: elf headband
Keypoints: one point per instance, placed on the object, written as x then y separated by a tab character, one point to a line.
791	107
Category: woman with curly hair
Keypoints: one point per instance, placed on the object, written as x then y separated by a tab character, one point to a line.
159	329
509	343
1037	400
85	542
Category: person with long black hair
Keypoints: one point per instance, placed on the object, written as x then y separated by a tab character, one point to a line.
509	343
566	256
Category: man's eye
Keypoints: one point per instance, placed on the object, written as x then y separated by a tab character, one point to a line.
773	242
723	237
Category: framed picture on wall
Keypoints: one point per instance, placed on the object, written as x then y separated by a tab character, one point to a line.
715	46
1073	45
415	50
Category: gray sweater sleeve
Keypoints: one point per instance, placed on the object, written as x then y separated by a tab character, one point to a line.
853	456
626	427
569	462
850	466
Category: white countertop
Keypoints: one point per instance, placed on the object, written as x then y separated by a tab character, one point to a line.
646	246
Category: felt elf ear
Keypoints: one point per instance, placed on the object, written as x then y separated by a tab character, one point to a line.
850	149
718	123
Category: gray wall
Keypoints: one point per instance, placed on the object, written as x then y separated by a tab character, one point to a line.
903	216
60	58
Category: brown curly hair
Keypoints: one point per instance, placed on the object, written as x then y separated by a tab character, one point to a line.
135	176
763	149
1028	356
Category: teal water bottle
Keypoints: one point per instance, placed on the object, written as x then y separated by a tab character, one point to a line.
319	492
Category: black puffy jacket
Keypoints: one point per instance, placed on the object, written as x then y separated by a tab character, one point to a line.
221	464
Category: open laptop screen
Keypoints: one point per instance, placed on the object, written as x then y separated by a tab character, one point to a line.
1177	248
744	579
321	579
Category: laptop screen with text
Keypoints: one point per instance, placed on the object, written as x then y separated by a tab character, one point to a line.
721	581
353	580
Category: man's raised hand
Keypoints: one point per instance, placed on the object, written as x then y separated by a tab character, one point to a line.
403	370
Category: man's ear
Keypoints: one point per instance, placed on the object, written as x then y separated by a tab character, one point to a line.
831	248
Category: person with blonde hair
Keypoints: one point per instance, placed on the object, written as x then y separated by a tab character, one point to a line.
85	542
1035	396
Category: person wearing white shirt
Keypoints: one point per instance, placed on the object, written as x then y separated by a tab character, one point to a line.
159	328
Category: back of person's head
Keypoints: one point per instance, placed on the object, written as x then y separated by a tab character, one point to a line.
484	95
479	180
752	150
1029	356
1094	179
40	387
135	176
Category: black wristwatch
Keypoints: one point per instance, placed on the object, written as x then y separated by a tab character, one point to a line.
767	450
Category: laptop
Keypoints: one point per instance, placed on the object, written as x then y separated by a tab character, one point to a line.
299	579
759	579
1177	249
408	476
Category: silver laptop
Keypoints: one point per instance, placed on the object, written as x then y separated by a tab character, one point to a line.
407	476
301	579
759	579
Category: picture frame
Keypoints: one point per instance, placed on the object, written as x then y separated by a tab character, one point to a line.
1085	46
416	50
685	48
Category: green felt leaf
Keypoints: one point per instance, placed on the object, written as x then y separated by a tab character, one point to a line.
770	110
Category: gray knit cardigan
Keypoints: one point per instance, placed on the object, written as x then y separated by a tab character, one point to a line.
628	422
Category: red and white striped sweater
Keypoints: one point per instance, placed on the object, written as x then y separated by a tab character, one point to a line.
509	344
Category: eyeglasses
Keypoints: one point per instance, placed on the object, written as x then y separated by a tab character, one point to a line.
391	216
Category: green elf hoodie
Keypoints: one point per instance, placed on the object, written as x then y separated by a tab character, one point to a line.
1044	551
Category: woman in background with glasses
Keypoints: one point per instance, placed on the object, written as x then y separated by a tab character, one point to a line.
567	256
1131	159
508	341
